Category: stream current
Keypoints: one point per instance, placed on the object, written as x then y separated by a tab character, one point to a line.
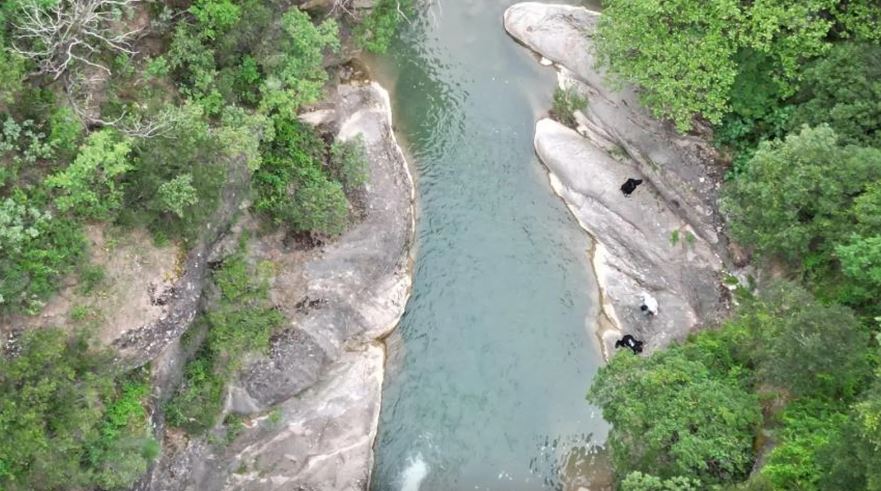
488	370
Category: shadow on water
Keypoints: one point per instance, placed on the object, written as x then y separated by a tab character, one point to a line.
487	372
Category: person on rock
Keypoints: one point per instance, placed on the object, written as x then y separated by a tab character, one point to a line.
630	342
630	186
649	305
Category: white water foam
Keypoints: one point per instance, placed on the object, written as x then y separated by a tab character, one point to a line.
414	474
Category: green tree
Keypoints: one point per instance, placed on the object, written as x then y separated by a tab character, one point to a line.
637	481
807	427
178	194
807	347
215	16
12	73
376	31
674	417
794	198
684	53
843	90
68	420
90	186
294	71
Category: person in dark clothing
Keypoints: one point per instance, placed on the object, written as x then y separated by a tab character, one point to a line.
631	342
630	186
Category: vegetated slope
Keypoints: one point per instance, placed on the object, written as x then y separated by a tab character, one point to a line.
785	395
133	136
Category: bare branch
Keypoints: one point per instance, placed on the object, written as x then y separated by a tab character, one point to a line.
71	32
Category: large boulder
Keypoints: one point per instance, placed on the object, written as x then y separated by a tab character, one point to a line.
312	404
681	167
634	252
663	241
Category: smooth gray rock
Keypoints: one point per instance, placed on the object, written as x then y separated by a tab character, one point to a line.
618	139
682	167
633	254
313	403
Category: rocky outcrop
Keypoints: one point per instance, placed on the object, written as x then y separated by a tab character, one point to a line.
663	240
312	405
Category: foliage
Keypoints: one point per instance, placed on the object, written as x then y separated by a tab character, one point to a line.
348	162
637	481
239	323
295	74
804	346
807	427
292	186
376	31
68	420
794	199
36	250
683	53
843	90
566	102
90	186
177	194
673	416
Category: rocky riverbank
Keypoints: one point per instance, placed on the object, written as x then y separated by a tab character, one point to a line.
311	406
664	240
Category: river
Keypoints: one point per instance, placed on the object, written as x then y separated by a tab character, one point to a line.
487	372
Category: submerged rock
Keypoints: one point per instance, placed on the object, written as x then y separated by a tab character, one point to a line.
662	239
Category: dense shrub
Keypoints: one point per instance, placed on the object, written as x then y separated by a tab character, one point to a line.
376	31
673	416
239	323
70	421
566	102
293	188
348	161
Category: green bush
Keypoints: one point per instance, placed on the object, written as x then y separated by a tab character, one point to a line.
674	417
36	250
292	186
566	102
241	322
376	31
90	186
637	481
349	165
69	421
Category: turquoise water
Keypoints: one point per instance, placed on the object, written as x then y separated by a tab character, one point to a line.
487	372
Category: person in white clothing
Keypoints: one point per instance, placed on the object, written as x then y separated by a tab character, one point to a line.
649	304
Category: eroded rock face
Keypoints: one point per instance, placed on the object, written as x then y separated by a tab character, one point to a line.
634	253
663	240
313	404
681	167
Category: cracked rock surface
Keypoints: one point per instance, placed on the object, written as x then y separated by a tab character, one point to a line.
311	405
663	240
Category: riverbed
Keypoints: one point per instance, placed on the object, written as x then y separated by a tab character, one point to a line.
487	372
